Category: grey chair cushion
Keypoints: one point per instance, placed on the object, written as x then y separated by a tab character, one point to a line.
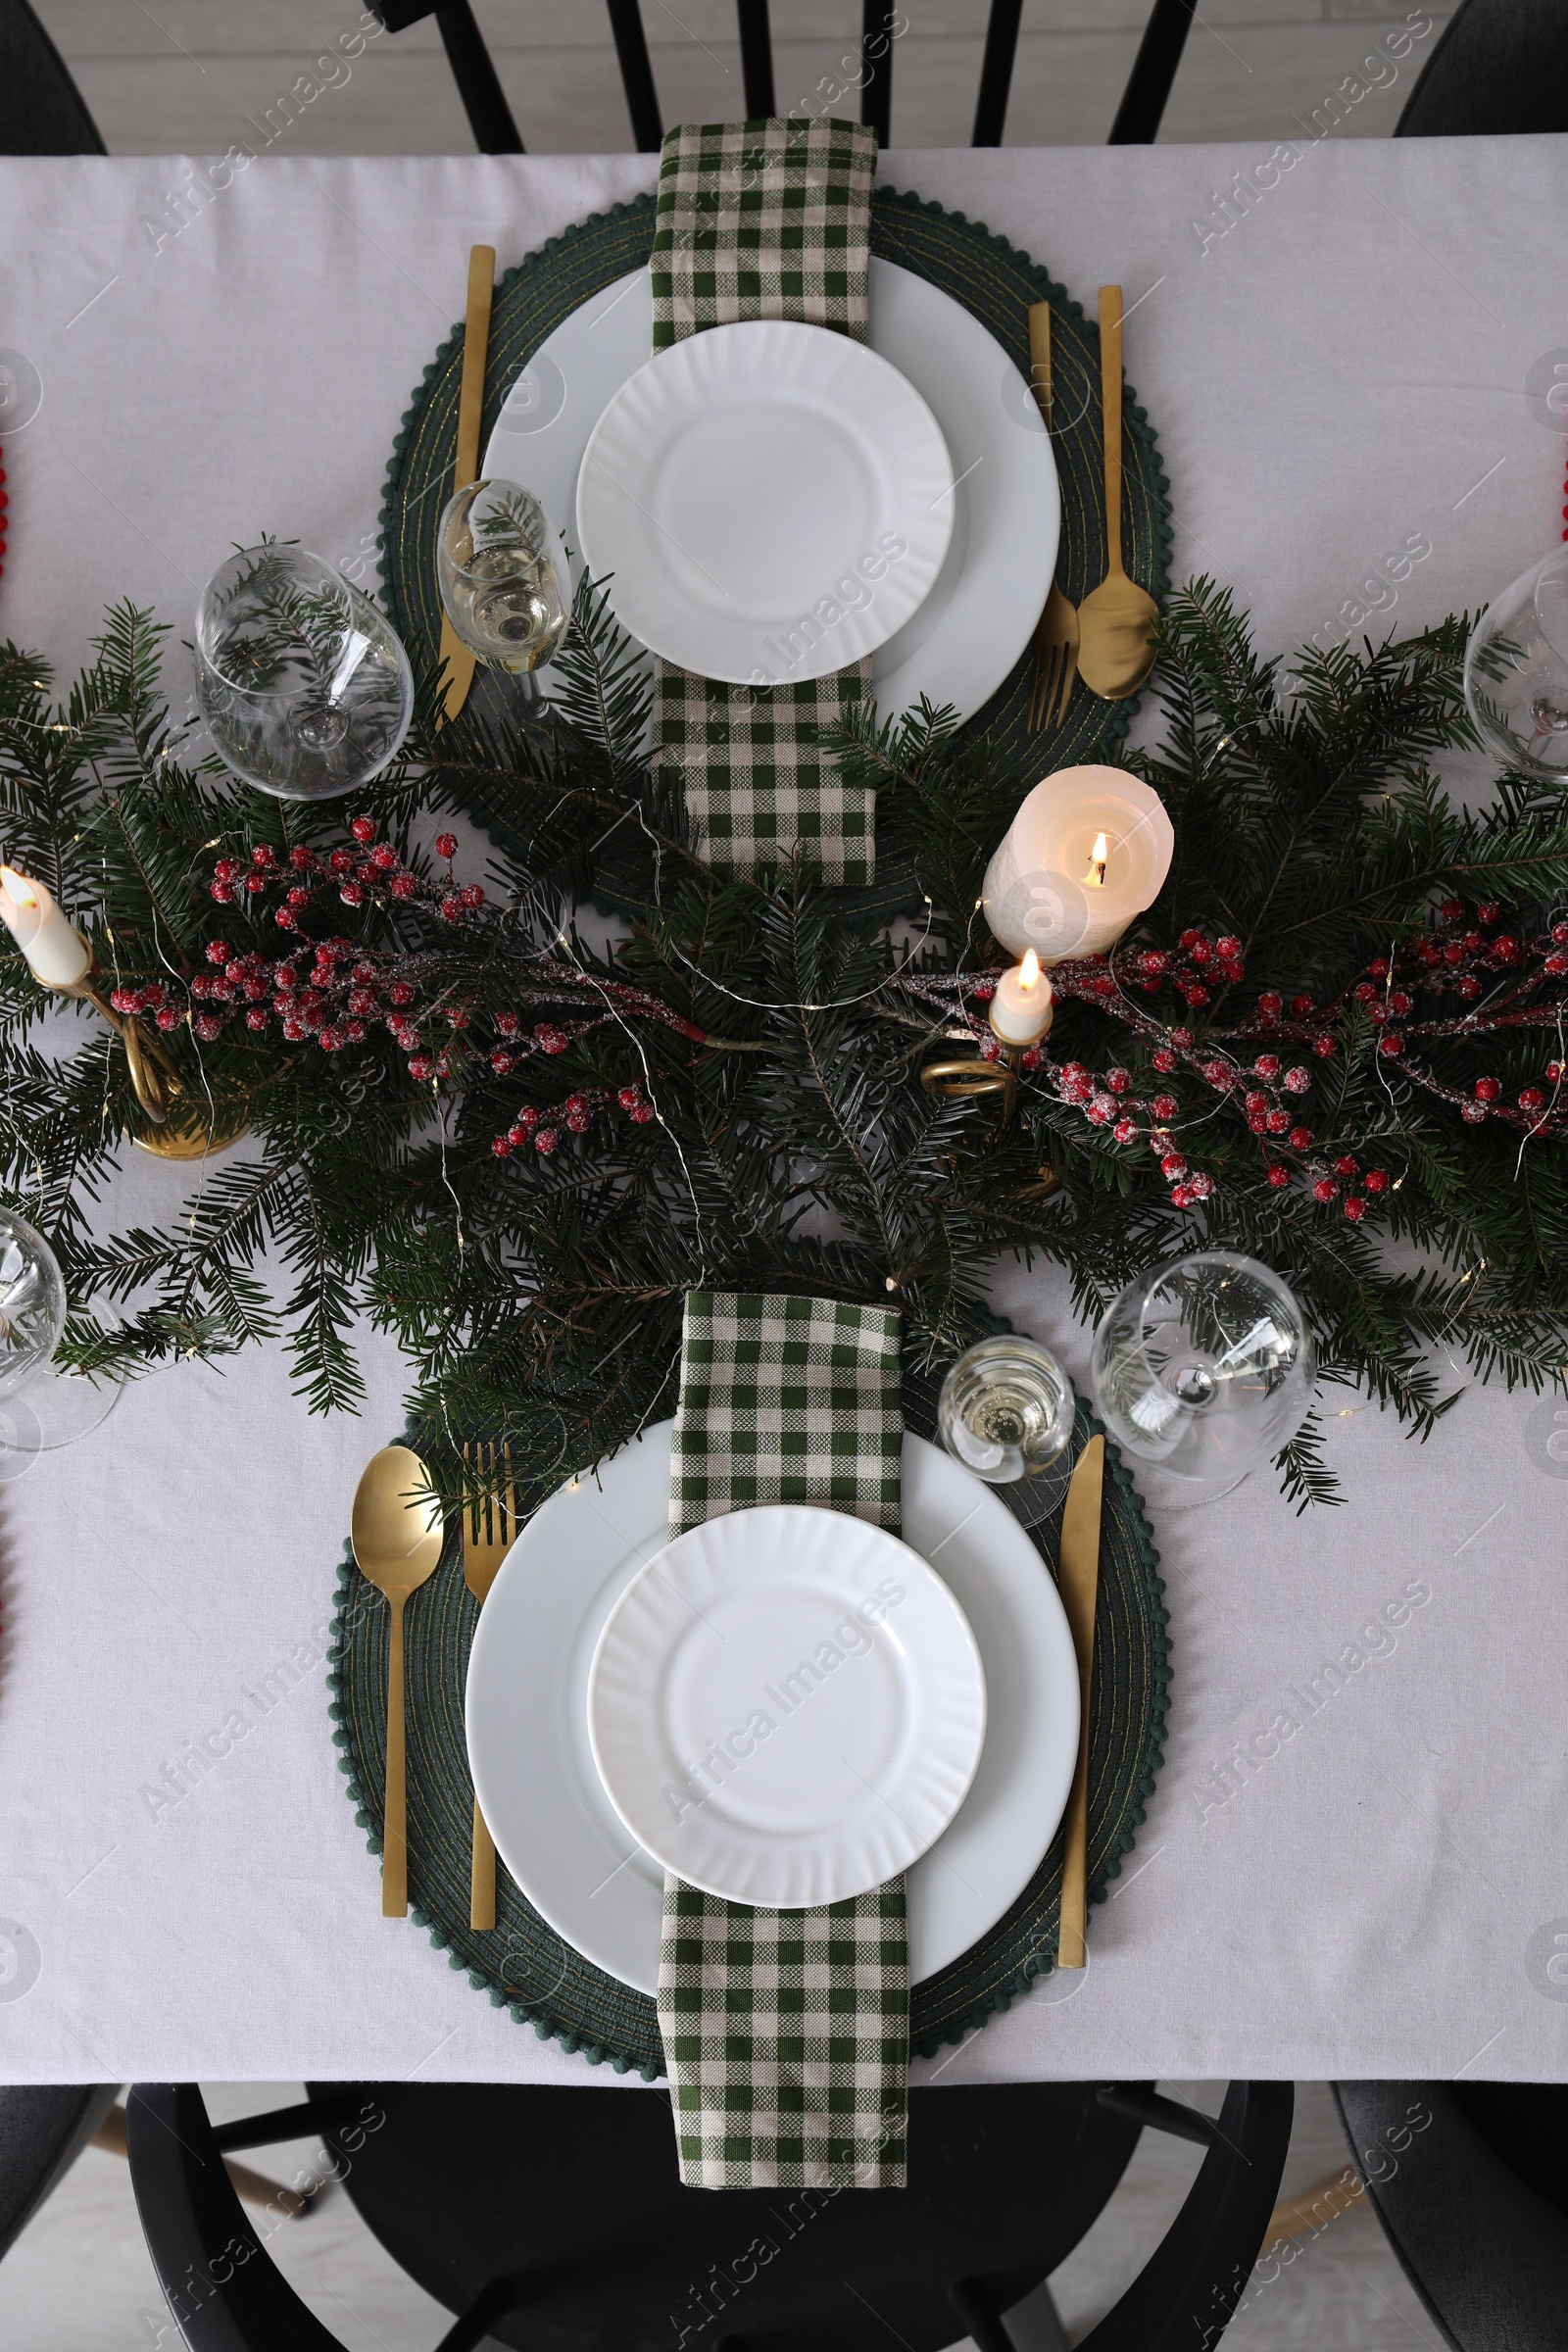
1499	65
43	2129
1486	2253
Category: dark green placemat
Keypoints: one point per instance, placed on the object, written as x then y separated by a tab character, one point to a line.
984	272
526	1966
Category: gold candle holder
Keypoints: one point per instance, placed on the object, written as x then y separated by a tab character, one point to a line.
180	1130
977	1074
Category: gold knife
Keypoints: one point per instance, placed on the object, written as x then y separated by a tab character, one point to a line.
471	413
1078	1581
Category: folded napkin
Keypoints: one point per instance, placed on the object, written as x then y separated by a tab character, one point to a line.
786	2033
768	220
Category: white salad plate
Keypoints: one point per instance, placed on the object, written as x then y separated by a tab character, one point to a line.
786	1706
980	614
767	500
527	1710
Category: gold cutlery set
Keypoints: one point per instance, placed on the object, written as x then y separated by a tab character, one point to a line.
1105	640
398	1537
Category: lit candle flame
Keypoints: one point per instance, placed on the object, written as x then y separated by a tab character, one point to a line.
18	888
1029	970
1099	858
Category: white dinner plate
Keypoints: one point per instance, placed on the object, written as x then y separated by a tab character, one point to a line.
786	1706
980	615
527	1710
767	500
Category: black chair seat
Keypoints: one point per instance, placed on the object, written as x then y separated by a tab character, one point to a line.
1002	2184
1468	2182
1498	65
553	2219
41	110
43	2129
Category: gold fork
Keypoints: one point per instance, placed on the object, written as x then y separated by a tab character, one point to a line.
1056	637
488	1528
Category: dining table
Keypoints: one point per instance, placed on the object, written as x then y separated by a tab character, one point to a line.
1353	1864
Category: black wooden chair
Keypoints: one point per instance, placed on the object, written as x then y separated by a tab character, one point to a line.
496	132
41	110
1497	66
555	2217
43	2129
1470	2183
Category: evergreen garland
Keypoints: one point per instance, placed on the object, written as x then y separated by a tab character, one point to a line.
1334	1043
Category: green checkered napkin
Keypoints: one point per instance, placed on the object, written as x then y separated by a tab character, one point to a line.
767	220
786	2033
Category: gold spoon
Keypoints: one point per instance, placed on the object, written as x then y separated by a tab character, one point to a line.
397	1536
1115	654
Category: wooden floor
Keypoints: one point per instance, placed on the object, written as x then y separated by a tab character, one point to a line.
78	2278
182	76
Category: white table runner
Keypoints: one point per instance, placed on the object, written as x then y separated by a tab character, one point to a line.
1354	1864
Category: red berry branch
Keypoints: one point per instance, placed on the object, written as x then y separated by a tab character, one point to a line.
1501	982
1467	977
332	992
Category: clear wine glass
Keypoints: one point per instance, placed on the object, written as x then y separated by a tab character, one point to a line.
303	683
495	561
1005	1408
40	1406
1516	669
1204	1366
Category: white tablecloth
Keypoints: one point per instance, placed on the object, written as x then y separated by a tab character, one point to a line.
1354	1861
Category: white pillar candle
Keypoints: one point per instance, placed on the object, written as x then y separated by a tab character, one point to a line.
49	942
1021	1009
1087	850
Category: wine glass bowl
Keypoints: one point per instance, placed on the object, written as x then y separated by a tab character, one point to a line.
500	589
33	1301
1516	670
1204	1366
303	683
41	1405
1005	1409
